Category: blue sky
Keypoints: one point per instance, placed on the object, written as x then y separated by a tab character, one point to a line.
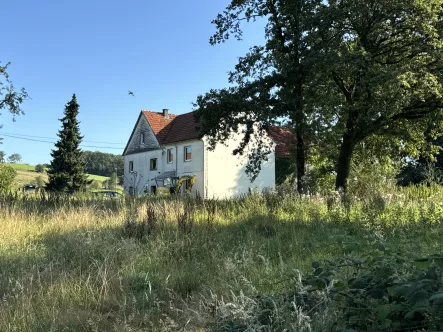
101	49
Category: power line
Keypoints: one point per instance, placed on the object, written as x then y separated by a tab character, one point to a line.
33	136
37	140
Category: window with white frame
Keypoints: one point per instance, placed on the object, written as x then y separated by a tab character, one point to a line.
188	153
142	138
170	156
131	166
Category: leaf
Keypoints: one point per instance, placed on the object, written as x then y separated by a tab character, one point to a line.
436	296
359	284
402	290
411	314
386	324
419	296
377	293
422	303
383	311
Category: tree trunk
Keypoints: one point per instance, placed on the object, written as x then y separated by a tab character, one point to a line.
344	161
300	149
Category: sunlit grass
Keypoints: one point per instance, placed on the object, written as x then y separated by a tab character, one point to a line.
71	264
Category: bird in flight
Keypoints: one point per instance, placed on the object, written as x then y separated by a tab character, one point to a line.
131	93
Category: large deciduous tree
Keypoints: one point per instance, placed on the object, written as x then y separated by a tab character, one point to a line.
67	169
14	158
270	80
382	63
345	73
10	98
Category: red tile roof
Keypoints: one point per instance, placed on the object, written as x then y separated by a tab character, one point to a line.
174	128
159	124
284	139
183	127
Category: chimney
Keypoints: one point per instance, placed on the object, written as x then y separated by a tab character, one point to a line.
165	113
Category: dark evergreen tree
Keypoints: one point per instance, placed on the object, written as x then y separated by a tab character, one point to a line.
67	168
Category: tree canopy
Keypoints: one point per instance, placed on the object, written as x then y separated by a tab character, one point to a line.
14	158
341	73
10	98
104	164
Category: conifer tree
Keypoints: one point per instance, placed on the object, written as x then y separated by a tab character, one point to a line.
67	168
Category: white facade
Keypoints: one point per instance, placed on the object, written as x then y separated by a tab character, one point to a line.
225	174
219	174
142	176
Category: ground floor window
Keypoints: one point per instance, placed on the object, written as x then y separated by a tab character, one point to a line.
153	189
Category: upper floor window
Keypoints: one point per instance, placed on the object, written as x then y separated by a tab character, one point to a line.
188	153
170	156
131	166
142	138
153	164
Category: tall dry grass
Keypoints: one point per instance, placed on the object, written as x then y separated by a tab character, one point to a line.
146	264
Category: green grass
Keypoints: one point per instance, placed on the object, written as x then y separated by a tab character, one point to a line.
97	177
82	265
22	167
26	175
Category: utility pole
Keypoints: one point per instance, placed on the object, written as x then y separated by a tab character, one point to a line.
116	177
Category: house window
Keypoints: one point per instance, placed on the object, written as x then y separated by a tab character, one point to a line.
170	156
188	153
153	189
131	166
153	164
142	138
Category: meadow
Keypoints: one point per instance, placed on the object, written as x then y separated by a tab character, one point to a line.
272	262
26	174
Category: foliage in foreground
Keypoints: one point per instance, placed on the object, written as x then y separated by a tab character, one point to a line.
145	264
7	177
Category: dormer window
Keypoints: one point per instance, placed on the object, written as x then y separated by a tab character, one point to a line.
142	138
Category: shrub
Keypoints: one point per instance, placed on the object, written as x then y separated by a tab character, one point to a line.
39	168
7	177
39	181
95	185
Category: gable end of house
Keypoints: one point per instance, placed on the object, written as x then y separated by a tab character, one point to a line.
142	138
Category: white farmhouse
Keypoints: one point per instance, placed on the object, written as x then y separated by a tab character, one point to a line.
163	145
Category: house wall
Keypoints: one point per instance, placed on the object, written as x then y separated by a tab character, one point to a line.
151	143
143	176
182	167
225	173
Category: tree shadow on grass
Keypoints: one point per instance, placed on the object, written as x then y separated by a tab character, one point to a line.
114	275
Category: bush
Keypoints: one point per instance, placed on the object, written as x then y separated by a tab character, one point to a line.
95	185
39	181
7	177
39	168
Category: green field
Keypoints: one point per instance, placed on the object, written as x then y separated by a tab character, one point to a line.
97	177
193	265
22	167
26	175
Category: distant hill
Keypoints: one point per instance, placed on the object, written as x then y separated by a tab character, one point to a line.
26	174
